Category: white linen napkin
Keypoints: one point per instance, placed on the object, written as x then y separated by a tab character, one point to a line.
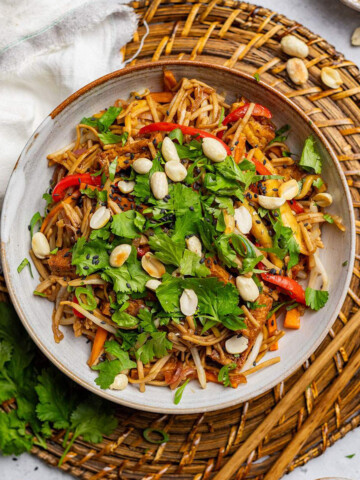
48	50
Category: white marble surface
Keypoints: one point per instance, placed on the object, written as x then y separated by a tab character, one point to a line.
334	22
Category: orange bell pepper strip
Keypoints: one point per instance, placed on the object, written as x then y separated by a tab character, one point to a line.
162	97
169	80
99	341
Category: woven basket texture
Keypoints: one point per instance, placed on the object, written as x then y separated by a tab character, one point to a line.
240	36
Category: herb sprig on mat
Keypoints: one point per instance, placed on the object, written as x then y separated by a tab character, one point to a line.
42	398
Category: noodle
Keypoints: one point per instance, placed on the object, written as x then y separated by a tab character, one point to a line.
122	254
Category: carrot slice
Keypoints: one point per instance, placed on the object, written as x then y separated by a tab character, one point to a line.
272	327
169	80
99	341
56	209
292	319
162	97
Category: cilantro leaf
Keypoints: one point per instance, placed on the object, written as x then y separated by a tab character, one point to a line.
108	118
281	134
55	403
110	368
83	254
225	253
124	319
190	265
318	183
166	249
102	233
112	169
168	293
128	338
153	345
14	438
316	299
110	138
127	224
310	158
142	189
101	195
91	419
248	263
177	134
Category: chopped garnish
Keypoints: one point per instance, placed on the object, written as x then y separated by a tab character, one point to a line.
149	431
310	158
179	392
224	376
23	264
316	299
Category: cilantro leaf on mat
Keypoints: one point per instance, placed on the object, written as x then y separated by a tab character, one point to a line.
55	402
91	420
14	438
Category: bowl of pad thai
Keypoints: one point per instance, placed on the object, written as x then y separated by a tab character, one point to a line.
178	237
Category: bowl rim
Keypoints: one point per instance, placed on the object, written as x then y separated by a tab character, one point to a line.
91	386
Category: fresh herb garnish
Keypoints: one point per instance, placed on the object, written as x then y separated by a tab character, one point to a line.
37	218
23	264
316	299
179	392
310	158
224	376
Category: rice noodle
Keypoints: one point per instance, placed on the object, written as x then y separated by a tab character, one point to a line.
199	368
254	353
91	317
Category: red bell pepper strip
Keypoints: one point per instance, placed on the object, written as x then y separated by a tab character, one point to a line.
287	285
259	111
294	205
169	127
75	312
73	181
260	167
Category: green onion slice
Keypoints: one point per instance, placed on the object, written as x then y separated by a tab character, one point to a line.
179	392
37	218
91	302
150	431
23	264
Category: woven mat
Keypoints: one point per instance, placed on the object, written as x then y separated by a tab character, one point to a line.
240	36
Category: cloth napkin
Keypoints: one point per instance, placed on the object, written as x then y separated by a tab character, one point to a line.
48	50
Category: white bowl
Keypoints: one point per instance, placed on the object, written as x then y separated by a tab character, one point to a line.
355	4
31	178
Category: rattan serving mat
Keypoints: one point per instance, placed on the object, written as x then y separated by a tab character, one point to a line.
246	37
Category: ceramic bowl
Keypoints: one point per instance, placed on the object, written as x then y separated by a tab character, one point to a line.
31	178
355	4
